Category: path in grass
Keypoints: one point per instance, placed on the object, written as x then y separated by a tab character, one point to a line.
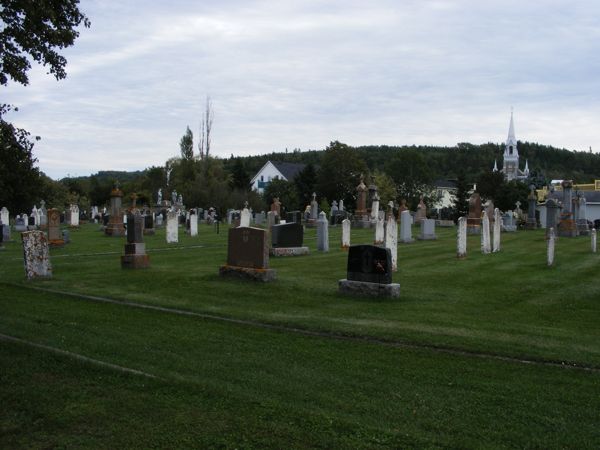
229	385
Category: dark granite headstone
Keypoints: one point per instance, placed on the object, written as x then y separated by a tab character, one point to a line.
148	221
31	221
370	263
135	228
248	247
287	235
105	219
293	217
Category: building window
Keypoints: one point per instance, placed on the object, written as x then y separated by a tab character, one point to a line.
262	178
510	149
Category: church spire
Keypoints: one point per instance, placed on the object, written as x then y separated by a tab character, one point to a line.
511	129
495	169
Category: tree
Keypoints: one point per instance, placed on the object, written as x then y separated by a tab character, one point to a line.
205	130
412	174
37	29
386	189
305	182
187	145
461	199
284	190
19	178
239	176
340	173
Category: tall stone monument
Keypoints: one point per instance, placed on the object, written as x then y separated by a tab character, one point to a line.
474	218
361	200
115	226
322	233
531	223
55	237
567	226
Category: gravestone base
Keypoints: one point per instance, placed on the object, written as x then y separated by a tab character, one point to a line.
56	243
135	261
364	288
248	273
531	224
289	251
567	228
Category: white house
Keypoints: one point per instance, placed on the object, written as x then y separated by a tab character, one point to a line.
273	170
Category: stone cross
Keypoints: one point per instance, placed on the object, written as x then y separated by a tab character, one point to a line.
461	238
391	241
497	230
485	234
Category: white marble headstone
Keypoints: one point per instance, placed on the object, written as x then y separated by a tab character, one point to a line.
461	238
485	234
497	230
172	227
346	225
379	232
193	225
391	241
245	218
406	227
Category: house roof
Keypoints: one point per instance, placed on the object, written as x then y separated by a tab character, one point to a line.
590	196
289	170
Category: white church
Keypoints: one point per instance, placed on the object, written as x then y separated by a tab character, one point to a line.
510	166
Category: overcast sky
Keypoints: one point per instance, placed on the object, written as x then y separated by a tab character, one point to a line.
299	74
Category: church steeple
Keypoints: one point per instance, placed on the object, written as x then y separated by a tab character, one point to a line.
511	154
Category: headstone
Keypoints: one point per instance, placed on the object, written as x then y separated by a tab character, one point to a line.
36	255
74	210
287	239
334	208
21	223
581	220
552	214
55	237
375	208
43	215
314	208
322	233
66	236
172	227
369	272
508	221
193	224
391	241
379	232
427	229
461	238
567	226
550	248
4	216
293	216
361	200
245	216
341	205
593	239
159	220
135	256
115	226
346	226
485	234
259	218
406	227
34	215
497	230
248	255
149	224
531	223
6	233
421	211
474	218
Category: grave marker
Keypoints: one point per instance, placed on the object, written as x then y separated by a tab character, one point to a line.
36	255
369	272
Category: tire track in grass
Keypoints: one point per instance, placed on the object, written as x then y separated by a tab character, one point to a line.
320	334
77	356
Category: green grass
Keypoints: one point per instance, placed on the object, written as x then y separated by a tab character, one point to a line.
232	385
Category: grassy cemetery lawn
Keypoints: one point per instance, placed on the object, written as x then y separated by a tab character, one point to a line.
491	351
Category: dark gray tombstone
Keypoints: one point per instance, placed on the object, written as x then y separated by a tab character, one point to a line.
287	235
369	273
293	216
135	256
248	255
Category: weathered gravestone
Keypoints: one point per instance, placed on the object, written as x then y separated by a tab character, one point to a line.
193	223
581	219
461	238
149	224
259	218
245	216
550	247
552	215
5	233
497	231
21	223
287	240
391	240
531	223
379	232
293	216
369	272
474	218
248	255
172	227
375	208
508	222
421	211
36	255
74	217
135	256
593	239
4	216
567	226
406	227
427	229
346	225
55	237
485	234
322	233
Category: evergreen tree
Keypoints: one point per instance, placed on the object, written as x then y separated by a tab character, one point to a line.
187	145
461	199
305	182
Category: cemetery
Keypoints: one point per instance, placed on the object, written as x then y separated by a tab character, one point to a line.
485	348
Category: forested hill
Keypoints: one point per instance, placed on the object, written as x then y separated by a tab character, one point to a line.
446	162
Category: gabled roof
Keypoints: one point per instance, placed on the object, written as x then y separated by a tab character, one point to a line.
289	170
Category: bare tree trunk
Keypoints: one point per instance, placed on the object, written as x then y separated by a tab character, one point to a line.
201	138
208	119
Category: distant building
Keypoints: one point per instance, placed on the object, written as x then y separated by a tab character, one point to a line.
510	165
273	170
